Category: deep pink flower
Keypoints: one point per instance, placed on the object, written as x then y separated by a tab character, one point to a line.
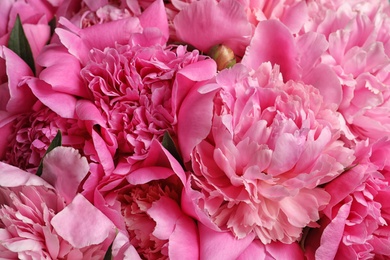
32	133
259	148
243	249
39	221
145	206
130	84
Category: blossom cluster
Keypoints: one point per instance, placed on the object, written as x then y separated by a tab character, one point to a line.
183	129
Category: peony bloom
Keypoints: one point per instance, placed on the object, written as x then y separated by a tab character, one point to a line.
134	88
32	133
145	207
127	87
258	149
39	221
358	53
355	224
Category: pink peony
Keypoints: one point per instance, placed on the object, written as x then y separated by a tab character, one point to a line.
358	53
38	221
32	133
138	101
355	224
258	149
145	207
127	87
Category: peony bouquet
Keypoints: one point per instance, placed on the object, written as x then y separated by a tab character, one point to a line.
184	129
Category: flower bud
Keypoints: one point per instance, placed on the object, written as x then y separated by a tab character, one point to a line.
223	56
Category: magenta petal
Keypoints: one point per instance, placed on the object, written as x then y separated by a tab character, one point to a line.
194	121
155	16
158	157
81	224
104	153
185	230
64	168
278	250
326	80
57	59
146	174
63	104
206	23
272	41
165	212
185	78
212	247
87	111
21	98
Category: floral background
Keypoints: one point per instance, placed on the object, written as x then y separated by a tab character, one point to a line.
183	129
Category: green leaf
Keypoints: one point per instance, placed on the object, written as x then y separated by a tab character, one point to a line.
53	25
57	141
18	43
108	255
168	144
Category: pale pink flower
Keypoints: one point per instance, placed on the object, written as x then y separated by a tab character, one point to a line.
39	221
358	53
258	149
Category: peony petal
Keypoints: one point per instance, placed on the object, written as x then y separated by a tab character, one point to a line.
212	247
272	41
194	121
87	111
21	98
64	168
185	78
81	224
61	103
326	80
204	24
185	230
155	16
57	59
13	177
146	174
165	212
333	233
